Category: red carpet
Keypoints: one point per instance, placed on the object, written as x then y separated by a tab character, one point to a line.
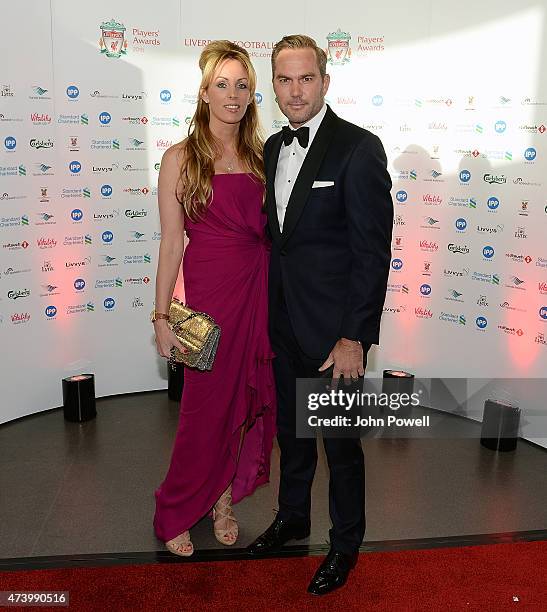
495	577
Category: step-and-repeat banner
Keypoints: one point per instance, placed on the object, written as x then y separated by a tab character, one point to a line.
91	97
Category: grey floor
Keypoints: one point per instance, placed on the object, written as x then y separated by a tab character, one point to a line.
69	488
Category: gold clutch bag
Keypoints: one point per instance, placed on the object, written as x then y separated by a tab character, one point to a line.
197	332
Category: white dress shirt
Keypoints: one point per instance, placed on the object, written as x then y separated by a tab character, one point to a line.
289	163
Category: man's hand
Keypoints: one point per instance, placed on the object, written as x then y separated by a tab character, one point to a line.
347	357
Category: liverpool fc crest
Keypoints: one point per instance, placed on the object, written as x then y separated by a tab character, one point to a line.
338	49
112	41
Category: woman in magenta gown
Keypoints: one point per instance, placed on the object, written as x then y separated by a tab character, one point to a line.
227	415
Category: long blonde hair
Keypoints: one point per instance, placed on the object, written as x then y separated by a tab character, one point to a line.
201	148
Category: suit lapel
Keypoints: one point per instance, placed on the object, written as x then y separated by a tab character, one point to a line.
304	180
271	207
306	176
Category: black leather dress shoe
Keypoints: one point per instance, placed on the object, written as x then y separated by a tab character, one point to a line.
277	534
332	573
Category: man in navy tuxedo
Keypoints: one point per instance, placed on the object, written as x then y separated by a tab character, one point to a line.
330	216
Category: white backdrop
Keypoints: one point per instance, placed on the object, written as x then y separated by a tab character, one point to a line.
454	91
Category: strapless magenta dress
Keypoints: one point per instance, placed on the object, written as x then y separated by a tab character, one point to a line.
225	273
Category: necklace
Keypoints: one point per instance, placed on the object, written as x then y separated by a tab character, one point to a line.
230	166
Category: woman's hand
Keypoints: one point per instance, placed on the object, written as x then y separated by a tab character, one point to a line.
165	339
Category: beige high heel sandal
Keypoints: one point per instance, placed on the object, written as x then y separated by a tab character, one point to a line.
181	545
222	511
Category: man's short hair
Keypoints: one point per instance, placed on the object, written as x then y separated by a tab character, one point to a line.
301	41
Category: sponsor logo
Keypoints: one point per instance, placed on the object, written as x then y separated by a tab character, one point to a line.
430	223
500	127
135	214
107	237
66	119
481	322
132	97
460	224
78	308
511	331
107	261
10	271
136	237
461	249
109	283
39	93
394	309
105	216
72	92
465	176
518	258
162	144
514	282
10	143
524	183
401	196
495	179
397	288
532	128
20	317
16	246
137	259
488	252
423	313
485	229
432	199
483	277
40	118
530	154
507	306
78	263
462	202
454	296
46	243
105	169
429	246
77	240
448	317
396	264
21	293
6	91
49	290
39	143
425	290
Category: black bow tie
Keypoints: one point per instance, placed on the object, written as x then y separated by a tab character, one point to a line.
302	135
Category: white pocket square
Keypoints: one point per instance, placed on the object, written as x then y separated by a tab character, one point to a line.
317	184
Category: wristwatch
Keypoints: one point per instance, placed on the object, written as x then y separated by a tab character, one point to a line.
154	316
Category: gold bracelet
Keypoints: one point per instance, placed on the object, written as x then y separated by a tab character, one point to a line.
154	316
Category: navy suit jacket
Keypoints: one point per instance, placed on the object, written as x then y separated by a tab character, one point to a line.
331	262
